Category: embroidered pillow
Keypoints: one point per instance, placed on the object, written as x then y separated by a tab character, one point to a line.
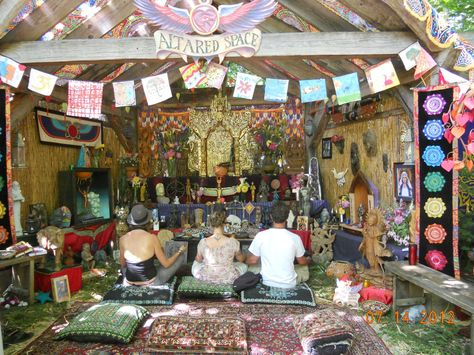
191	287
300	295
105	323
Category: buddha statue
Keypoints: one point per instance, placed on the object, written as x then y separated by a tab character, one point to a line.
160	194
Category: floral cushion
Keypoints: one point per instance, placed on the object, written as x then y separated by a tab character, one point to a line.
191	287
105	323
323	332
300	295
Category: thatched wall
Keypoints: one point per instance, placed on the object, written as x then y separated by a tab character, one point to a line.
386	124
39	180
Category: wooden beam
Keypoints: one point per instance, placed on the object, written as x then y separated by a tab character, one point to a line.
274	45
9	9
377	13
40	20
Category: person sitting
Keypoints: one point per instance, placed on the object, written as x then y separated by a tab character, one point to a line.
277	248
214	260
138	250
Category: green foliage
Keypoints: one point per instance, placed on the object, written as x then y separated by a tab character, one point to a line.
460	13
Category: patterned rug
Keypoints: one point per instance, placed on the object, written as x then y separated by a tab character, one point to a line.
300	295
269	329
143	296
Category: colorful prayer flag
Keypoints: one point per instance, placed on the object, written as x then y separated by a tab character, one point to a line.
42	83
276	90
313	90
192	76
409	55
11	72
84	99
215	74
245	85
157	88
124	93
382	76
424	63
347	88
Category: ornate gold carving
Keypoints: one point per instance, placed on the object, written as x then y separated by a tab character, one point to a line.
220	136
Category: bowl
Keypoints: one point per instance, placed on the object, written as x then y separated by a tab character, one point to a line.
7	254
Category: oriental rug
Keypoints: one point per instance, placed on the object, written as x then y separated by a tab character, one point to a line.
269	329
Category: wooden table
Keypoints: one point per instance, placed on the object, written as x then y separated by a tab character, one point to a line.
31	279
410	282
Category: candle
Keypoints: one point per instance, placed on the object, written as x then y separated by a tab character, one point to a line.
412	253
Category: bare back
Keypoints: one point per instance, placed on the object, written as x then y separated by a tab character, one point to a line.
138	245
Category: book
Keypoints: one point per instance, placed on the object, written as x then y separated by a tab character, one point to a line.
20	248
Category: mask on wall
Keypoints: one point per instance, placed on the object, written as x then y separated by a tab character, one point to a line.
370	142
355	163
385	162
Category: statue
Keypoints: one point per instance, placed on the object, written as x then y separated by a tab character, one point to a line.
372	247
143	191
263	192
188	190
314	183
325	216
160	194
198	217
252	191
68	256
305	201
361	213
88	261
52	238
290	220
17	200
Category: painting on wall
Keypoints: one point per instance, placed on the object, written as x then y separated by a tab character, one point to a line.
404	183
326	146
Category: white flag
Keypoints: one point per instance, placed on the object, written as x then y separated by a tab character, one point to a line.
245	85
124	92
157	88
42	83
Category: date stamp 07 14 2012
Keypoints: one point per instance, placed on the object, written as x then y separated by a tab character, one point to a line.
431	317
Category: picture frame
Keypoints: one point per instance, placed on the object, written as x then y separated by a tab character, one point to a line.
404	181
326	148
302	223
60	288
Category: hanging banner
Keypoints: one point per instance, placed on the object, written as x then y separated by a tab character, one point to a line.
313	90
424	63
192	76
157	88
215	75
347	88
11	72
84	99
124	93
276	90
382	76
42	83
409	55
245	85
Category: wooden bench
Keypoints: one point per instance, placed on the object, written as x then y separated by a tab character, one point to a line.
410	282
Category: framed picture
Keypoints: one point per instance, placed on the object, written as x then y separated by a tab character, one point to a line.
60	288
404	181
326	147
302	223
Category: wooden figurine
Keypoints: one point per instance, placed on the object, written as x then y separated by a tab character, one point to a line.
252	191
88	261
371	247
68	256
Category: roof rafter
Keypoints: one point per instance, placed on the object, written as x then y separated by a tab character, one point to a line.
8	12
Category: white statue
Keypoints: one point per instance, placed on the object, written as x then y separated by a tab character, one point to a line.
290	220
160	194
340	176
17	200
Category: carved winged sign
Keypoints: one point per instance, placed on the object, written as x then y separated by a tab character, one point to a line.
236	22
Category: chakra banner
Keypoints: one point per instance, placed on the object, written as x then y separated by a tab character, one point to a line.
276	90
56	127
347	88
11	72
313	90
42	83
157	88
245	85
124	93
7	224
84	99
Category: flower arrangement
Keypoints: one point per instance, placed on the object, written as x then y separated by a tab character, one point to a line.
173	143
269	138
397	223
129	160
343	204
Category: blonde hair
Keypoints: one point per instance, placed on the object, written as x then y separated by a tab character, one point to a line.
217	219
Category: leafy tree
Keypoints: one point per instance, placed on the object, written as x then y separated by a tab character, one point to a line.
460	13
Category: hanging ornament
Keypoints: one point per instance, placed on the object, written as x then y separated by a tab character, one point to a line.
127	109
178	95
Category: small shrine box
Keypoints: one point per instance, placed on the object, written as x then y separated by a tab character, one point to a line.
74	274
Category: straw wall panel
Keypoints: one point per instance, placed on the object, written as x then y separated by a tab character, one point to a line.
39	181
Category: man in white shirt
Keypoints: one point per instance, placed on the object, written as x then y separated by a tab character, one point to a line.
277	248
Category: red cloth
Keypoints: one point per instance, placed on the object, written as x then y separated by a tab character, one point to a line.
376	294
74	275
305	237
101	233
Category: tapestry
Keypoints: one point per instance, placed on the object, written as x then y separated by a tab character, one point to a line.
301	294
11	72
347	88
269	328
382	76
276	90
7	224
192	76
409	55
143	295
245	85
124	93
313	90
56	127
156	88
436	189
42	83
221	335
84	99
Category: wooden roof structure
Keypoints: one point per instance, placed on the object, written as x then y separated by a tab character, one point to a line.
109	40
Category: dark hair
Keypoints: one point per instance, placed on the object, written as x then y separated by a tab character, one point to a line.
217	218
279	212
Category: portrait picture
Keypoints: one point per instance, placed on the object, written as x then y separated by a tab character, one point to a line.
404	180
60	289
302	223
326	146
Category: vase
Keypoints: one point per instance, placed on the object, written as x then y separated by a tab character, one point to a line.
269	165
172	167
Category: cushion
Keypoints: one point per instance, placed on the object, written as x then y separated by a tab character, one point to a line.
300	295
323	332
105	323
141	295
191	287
376	294
197	335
